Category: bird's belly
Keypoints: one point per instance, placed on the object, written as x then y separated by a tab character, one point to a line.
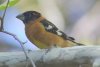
43	40
37	42
48	39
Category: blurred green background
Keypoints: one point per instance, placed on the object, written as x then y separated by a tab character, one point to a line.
77	18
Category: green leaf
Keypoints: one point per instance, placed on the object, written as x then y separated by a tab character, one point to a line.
11	3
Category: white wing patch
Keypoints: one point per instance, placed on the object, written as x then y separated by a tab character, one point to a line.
59	33
49	27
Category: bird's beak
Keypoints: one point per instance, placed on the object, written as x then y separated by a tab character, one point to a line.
20	16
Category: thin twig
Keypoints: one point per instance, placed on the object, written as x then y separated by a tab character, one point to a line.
2	19
14	36
22	45
0	23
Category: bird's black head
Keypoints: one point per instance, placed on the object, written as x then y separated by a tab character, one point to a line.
29	16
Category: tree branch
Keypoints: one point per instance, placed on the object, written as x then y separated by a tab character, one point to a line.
0	23
82	56
2	19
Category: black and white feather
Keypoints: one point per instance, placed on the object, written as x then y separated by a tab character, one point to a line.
53	29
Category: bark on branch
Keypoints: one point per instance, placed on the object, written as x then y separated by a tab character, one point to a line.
84	56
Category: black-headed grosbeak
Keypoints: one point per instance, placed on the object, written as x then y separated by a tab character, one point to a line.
43	33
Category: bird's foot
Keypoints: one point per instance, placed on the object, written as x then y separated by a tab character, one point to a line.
50	48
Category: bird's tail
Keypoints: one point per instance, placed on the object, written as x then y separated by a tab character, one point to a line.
73	40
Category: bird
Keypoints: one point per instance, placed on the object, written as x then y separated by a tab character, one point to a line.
43	33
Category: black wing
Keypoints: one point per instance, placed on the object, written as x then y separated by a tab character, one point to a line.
50	27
